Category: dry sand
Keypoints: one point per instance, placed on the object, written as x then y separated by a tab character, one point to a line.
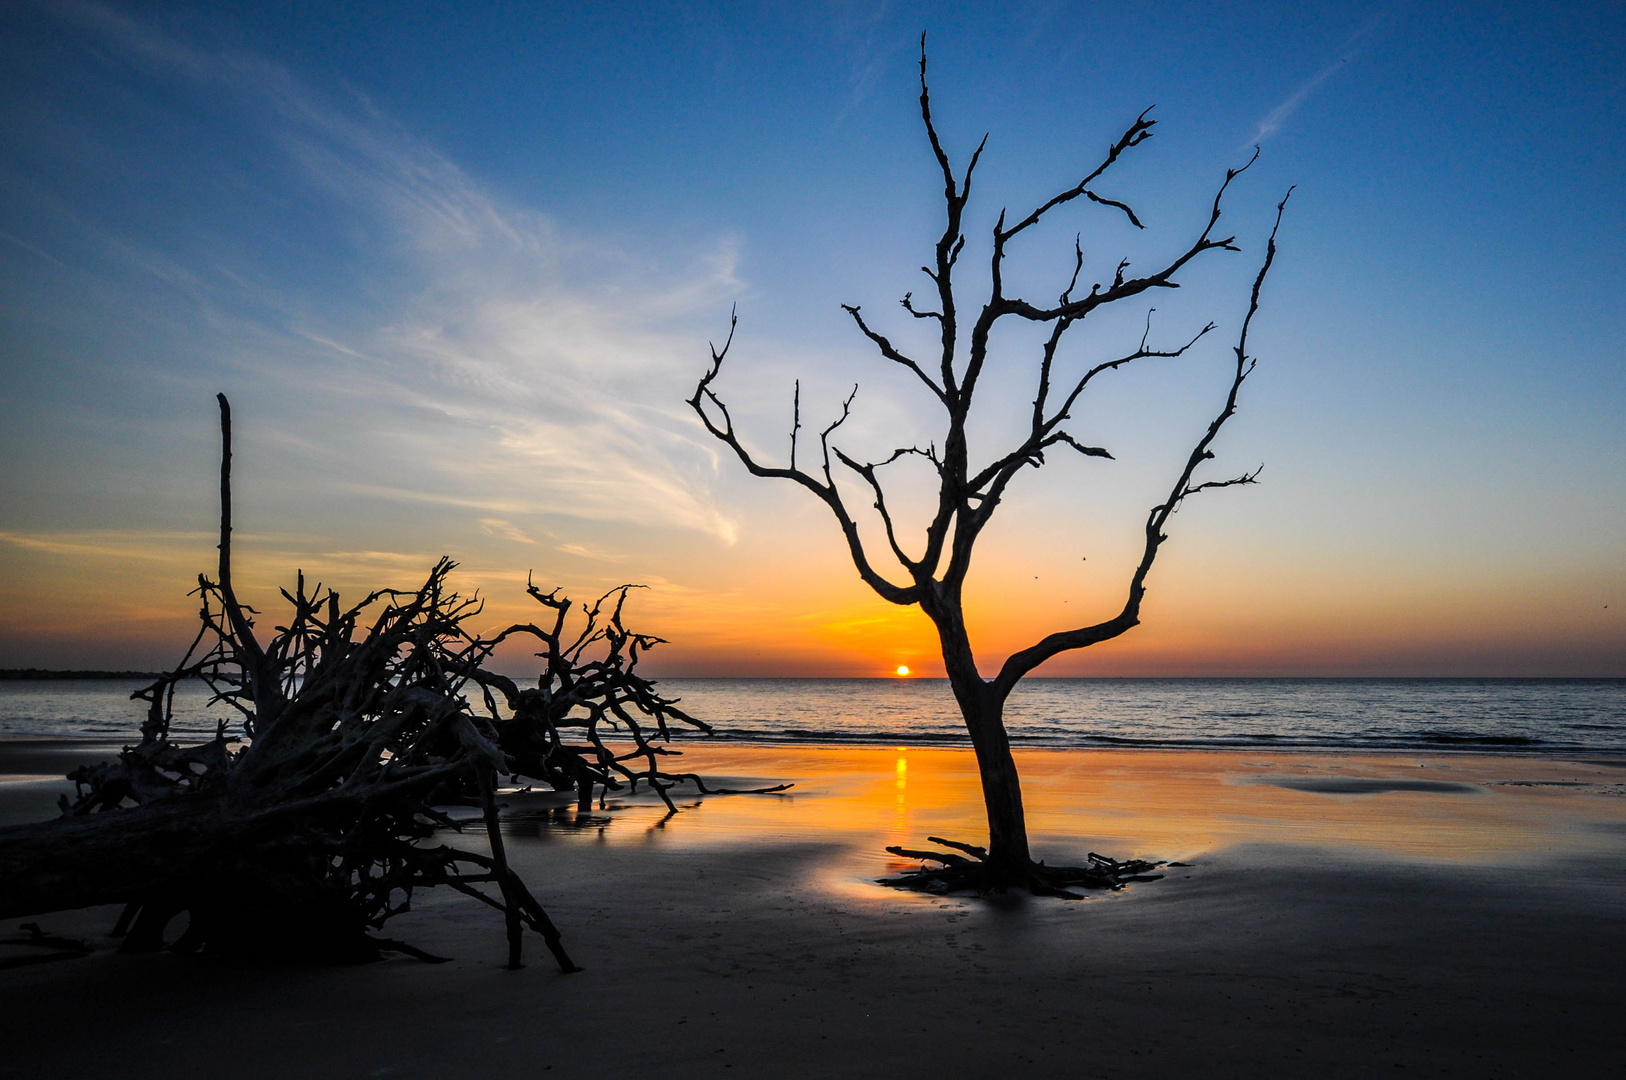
1345	915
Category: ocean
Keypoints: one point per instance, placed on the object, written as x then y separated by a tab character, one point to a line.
1505	715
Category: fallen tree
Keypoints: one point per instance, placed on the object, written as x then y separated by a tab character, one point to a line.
315	827
589	682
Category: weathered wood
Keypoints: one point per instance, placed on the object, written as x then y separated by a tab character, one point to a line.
976	874
312	827
591	721
304	833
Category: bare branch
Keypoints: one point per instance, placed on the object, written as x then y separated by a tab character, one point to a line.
1020	663
1137	133
887	350
1078	265
1142	353
908	305
1133	220
868	473
265	687
1235	481
825	489
1000	305
1043	427
796	420
1122	289
931	129
1088	451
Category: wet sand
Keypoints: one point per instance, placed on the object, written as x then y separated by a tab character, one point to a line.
1344	915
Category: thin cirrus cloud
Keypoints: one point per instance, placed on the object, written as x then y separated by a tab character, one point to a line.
104	544
520	369
1277	117
582	551
500	528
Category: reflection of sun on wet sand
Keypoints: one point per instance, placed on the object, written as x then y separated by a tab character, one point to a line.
1176	804
1343	915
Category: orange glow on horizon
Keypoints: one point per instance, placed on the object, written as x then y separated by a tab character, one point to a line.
61	592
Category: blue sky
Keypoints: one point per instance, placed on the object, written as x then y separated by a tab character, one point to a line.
457	266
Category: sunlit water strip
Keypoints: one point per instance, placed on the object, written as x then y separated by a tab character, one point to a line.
1517	715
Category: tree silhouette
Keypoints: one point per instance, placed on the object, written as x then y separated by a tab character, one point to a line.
968	495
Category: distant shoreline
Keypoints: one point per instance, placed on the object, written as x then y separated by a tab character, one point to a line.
43	674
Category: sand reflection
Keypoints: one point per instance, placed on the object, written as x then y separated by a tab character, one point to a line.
1147	804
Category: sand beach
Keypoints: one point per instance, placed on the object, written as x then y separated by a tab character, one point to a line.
1343	914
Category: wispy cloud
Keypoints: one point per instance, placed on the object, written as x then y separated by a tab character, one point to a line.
121	544
504	363
582	551
30	248
872	39
1283	112
1278	116
500	528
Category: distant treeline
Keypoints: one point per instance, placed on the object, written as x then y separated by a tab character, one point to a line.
43	673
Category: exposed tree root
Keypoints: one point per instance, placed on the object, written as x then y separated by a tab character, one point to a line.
972	872
300	836
589	689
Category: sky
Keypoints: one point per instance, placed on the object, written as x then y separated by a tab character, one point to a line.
457	267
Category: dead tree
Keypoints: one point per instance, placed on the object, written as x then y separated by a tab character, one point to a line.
589	684
316	824
968	494
313	828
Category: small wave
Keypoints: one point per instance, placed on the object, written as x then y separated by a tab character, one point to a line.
876	738
1450	738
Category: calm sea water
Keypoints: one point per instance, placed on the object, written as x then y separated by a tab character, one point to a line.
1524	715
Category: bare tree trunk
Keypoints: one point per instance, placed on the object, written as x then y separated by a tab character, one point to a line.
983	708
78	862
1008	858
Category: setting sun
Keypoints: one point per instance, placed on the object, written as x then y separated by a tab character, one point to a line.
902	669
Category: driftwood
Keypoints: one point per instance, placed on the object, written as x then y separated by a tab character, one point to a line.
589	684
315	827
308	833
959	873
